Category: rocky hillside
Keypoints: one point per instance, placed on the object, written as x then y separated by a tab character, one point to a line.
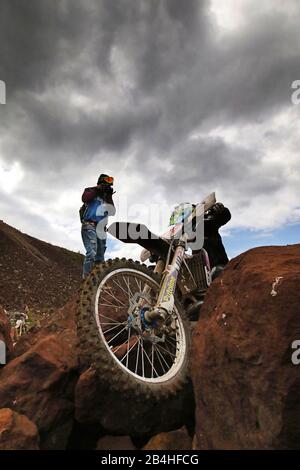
71	407
247	388
245	391
34	273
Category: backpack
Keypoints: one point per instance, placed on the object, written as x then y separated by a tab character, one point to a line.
90	211
82	211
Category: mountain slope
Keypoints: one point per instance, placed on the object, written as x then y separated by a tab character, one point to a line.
34	273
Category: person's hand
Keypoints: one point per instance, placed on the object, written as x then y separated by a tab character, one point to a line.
105	188
109	189
217	208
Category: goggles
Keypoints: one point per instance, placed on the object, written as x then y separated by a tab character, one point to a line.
107	179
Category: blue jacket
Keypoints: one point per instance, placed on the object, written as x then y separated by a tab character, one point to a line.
95	210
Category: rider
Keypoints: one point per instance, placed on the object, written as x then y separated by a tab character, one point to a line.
214	218
97	206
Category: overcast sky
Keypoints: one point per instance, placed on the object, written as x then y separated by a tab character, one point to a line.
174	98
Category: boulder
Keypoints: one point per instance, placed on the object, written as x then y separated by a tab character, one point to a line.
17	432
5	333
40	381
247	390
96	404
173	440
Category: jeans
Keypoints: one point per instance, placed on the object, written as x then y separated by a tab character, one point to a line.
95	248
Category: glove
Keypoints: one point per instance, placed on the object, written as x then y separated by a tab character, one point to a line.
104	188
217	209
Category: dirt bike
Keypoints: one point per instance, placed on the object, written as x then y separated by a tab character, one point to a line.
133	320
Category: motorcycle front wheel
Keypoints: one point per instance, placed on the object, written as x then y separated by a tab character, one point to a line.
129	354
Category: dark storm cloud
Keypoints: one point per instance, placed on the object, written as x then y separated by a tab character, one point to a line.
131	81
35	37
164	46
188	77
52	46
77	133
243	79
208	164
38	36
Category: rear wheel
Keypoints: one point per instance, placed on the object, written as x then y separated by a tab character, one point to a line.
129	353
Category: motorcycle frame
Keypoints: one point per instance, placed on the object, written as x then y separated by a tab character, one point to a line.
178	240
166	298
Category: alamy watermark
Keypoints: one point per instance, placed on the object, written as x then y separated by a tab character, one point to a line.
2	353
189	222
296	354
295	98
2	92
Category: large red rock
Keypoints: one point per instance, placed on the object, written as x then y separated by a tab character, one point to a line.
5	330
95	404
173	440
40	381
17	432
247	390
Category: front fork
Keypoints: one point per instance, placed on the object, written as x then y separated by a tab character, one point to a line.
165	301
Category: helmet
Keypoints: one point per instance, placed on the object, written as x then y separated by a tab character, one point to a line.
105	179
181	212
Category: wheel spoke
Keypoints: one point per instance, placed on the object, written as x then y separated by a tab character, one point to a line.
120	345
162	358
116	335
165	350
173	345
129	285
139	286
171	338
143	364
111	305
130	294
122	332
129	334
128	352
110	329
115	298
150	361
137	356
172	351
108	304
120	287
159	359
108	318
152	358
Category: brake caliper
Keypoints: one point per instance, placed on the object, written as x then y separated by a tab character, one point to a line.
145	323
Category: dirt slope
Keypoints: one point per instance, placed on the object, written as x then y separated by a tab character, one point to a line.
34	273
